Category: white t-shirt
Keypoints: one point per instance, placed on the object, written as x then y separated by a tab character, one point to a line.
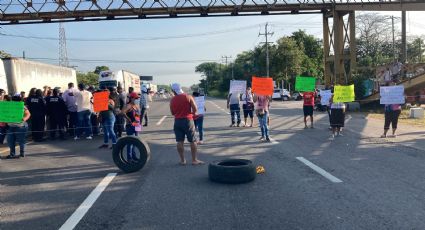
83	100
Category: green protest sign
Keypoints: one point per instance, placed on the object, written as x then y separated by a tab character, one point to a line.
11	111
305	84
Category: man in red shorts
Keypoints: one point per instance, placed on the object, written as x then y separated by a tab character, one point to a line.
183	108
308	107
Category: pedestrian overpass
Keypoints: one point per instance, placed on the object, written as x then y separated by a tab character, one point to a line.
338	17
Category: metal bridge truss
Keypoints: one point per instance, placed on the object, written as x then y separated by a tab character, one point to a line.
338	17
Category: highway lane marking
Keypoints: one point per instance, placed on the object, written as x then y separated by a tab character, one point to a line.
87	203
319	170
218	107
161	120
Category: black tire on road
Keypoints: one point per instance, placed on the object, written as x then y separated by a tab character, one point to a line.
232	171
119	150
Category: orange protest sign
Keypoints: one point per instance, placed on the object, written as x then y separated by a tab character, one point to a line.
100	101
262	85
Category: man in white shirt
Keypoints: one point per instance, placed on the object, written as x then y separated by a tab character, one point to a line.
84	107
71	104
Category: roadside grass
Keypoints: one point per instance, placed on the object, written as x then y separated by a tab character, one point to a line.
404	118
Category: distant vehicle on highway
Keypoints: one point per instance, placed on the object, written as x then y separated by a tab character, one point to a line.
281	94
121	78
297	96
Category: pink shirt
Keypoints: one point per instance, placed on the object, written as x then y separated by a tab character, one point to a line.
263	103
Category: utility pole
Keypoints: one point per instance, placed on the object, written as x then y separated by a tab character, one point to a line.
227	57
394	54
403	38
63	54
266	34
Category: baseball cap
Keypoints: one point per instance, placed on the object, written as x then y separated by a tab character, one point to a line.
176	88
134	95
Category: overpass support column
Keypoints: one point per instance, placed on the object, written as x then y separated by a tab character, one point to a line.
339	45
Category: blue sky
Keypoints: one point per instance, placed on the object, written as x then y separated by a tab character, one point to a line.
211	47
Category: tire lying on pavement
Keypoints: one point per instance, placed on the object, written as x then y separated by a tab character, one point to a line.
232	171
119	154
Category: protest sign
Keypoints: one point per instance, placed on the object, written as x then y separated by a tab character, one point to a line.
237	86
11	111
100	101
200	103
325	96
262	86
305	84
344	93
392	95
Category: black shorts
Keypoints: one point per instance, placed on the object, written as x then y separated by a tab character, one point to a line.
247	112
308	110
184	128
391	117
337	118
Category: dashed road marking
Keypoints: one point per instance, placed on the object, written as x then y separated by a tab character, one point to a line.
87	203
161	120
319	170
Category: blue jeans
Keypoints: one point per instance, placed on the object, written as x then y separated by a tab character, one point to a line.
84	123
108	129
199	125
131	131
16	134
263	124
235	109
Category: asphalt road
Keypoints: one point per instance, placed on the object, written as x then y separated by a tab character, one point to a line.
382	183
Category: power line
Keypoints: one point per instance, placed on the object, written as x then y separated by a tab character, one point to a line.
135	38
127	61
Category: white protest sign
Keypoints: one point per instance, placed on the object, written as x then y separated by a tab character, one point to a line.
392	95
325	96
237	86
200	103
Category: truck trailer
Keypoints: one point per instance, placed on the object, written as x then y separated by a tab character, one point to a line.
121	78
17	75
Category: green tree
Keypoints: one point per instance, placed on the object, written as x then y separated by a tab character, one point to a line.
99	69
4	54
89	78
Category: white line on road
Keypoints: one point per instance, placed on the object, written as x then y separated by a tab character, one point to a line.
319	170
87	203
161	120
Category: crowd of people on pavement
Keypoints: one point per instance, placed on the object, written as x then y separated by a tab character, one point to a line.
72	112
50	112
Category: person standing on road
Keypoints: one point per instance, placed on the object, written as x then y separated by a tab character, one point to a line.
198	119
131	113
183	107
56	112
37	108
17	132
71	104
248	106
119	122
3	126
392	113
337	117
308	108
144	105
108	121
84	105
233	101
262	112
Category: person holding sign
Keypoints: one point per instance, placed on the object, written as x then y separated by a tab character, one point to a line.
198	119
337	117
392	113
131	113
262	111
17	131
233	101
108	122
248	106
308	107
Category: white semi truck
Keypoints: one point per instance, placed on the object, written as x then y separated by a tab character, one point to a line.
121	78
17	75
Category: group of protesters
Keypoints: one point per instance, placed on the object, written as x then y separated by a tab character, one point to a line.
71	112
